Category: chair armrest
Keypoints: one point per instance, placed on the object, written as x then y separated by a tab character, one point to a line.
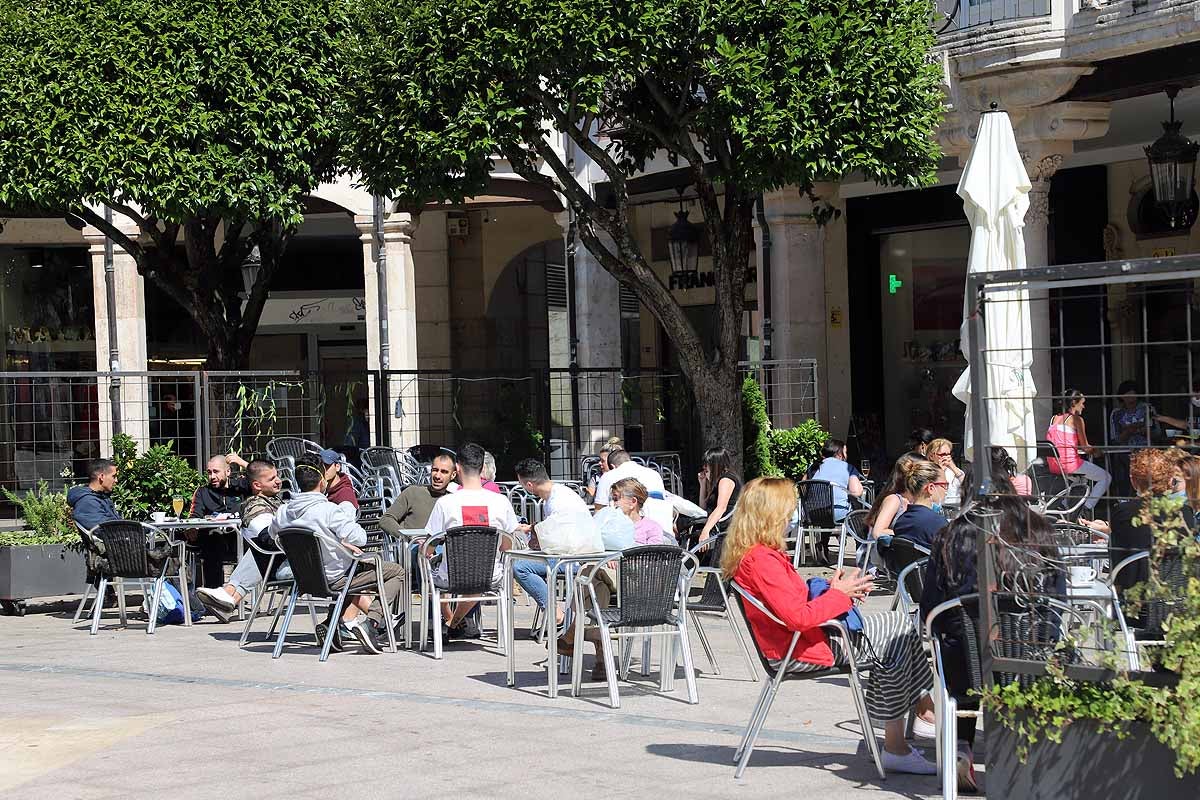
1112	575
941	608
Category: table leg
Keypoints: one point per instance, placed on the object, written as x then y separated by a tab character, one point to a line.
551	627
183	584
512	655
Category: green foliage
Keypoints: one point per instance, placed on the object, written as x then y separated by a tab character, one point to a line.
185	108
776	92
756	432
147	482
794	450
1051	703
257	413
47	514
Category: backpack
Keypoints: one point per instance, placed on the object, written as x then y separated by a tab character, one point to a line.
170	605
817	586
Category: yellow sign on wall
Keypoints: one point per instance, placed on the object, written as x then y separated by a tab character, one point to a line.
1162	252
835	317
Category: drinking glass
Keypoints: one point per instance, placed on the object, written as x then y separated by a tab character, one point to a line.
177	506
865	467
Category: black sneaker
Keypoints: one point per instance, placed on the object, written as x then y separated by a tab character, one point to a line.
362	630
381	631
469	629
337	646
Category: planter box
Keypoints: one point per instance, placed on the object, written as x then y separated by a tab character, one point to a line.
46	570
1088	765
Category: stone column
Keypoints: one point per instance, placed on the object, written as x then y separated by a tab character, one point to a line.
130	322
798	313
598	330
400	310
1041	162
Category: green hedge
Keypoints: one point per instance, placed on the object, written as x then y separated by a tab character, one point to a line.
794	450
775	451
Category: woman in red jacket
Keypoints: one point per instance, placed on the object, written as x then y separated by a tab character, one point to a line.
754	556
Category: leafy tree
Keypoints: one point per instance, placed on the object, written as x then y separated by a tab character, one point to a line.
203	122
746	96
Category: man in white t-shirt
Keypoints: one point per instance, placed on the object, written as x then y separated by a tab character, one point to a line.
621	465
556	499
470	505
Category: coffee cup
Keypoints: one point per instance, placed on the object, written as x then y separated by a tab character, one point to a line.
158	516
1082	576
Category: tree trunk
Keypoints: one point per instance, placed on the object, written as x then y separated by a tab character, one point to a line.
719	404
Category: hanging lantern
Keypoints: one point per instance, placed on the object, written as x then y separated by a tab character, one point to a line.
1173	169
683	242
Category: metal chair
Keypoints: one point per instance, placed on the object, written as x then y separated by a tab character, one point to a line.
303	548
1146	629
1057	495
946	712
712	597
470	554
123	548
906	559
778	673
816	521
395	468
269	586
652	592
854	528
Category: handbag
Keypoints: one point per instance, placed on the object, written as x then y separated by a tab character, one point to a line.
853	621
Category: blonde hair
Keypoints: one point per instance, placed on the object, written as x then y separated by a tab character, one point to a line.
937	444
630	487
918	475
761	516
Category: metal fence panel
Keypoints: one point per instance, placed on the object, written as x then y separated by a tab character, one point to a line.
789	387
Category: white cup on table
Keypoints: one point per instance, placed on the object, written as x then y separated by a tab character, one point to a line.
158	516
1082	576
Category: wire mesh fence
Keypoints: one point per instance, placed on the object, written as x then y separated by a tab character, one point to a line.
1084	376
789	387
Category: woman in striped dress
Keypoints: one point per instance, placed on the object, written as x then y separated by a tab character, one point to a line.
753	555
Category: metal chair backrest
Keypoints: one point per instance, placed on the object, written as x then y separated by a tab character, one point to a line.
404	468
902	552
126	548
649	584
1072	533
302	546
816	503
290	447
1169	567
856	525
713	593
744	598
470	556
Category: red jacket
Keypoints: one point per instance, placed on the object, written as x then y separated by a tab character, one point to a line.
768	575
343	492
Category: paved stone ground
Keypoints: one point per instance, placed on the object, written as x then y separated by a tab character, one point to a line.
186	714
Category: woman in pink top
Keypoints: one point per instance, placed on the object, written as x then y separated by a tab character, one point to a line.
1068	434
630	495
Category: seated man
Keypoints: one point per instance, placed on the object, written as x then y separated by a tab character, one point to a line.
621	466
222	495
257	513
92	504
558	499
411	509
310	508
339	489
470	505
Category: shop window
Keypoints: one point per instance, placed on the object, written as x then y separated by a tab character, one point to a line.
46	309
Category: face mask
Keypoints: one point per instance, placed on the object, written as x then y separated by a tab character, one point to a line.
937	508
1180	495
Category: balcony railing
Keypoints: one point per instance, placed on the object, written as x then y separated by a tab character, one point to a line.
957	15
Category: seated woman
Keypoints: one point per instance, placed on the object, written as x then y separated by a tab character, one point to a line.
754	556
630	496
835	469
719	487
940	453
1068	434
950	573
1004	475
1150	473
891	500
926	485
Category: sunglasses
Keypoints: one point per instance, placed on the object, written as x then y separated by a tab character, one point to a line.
942	455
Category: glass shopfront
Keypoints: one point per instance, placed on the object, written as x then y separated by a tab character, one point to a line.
46	309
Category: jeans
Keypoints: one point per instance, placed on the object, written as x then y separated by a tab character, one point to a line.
531	575
1100	481
246	575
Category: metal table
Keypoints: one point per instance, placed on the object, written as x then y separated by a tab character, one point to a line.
172	526
555	564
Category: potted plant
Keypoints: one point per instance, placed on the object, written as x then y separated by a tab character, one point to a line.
45	560
1130	736
147	482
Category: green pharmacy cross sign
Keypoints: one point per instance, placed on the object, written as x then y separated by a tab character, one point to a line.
894	283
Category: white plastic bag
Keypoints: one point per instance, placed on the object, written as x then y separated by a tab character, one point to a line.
569	534
616	529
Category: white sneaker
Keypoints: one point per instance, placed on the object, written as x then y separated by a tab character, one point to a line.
923	729
217	598
912	763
